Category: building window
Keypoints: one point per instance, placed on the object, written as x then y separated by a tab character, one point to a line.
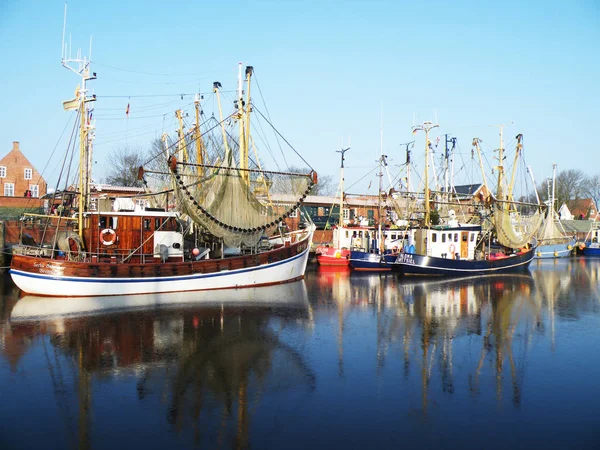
293	214
9	189
346	214
2	171
35	190
28	174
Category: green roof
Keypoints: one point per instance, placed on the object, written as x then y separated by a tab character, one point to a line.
8	212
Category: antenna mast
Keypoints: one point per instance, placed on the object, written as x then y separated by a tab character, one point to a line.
427	127
81	67
343	152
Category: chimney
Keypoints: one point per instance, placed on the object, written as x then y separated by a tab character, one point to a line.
15	145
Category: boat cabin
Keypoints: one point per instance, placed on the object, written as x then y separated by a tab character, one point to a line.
457	242
365	238
149	236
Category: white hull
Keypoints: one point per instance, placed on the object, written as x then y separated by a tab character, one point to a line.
61	286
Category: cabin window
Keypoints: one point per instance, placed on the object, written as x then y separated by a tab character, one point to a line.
2	171
159	224
455	237
114	222
9	189
28	174
360	234
102	222
347	234
147	224
433	237
472	237
465	238
394	236
443	238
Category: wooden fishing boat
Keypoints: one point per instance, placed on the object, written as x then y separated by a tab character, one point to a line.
225	234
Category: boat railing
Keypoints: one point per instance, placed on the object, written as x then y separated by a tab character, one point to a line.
112	256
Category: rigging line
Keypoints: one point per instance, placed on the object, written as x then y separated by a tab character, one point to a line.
53	150
178	94
142	82
140	107
262	135
153	73
128	118
365	176
268	121
238	169
192	139
284	139
73	132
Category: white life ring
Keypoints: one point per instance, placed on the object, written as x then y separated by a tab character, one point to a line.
108	236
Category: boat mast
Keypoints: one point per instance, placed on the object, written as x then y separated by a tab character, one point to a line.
427	126
553	184
476	142
181	144
216	86
246	122
241	117
86	134
500	166
199	142
518	152
382	164
447	151
408	145
340	221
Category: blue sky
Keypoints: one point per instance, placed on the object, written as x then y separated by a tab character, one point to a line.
332	73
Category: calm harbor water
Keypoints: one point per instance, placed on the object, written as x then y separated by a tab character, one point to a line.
339	360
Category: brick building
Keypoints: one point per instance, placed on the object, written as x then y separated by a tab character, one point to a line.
21	185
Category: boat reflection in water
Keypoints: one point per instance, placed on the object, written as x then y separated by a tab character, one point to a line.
205	359
341	359
428	322
32	307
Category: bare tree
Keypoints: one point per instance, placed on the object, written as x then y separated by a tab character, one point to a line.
569	185
283	185
123	166
591	188
156	163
